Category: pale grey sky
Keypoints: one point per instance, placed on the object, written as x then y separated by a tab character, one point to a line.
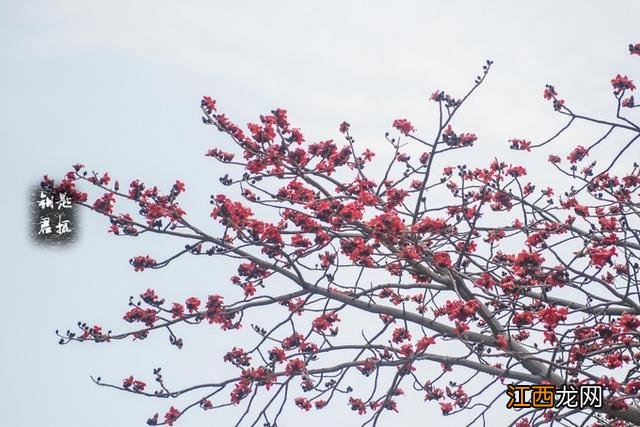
116	85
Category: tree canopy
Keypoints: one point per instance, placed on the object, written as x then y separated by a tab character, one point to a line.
383	275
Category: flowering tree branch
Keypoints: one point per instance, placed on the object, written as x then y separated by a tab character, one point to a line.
500	281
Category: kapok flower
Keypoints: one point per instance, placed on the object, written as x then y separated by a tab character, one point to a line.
403	125
621	83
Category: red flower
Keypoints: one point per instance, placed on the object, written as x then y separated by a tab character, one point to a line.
294	306
631	180
368	154
621	83
403	125
325	321
388	226
549	92
150	297
177	310
238	357
280	116
450	138
442	259
522	318
277	355
600	256
240	391
368	366
516	171
126	383
139	385
501	342
406	350
298	138
320	403
617	403
209	103
554	159
394	198
446	407
461	327
358	405
295	366
577	154
520	144
614	360
232	214
303	403
149	316
527	263
262	134
299	241
192	304
220	155
135	384
628	102
495	235
634	49
430	225
139	263
105	179
401	334
249	289
171	415
629	322
105	203
358	251
179	187
632	387
344	127
485	281
460	310
551	316
424	343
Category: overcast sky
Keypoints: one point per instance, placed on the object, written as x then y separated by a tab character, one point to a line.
116	85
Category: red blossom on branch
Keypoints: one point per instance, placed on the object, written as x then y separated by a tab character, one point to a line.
171	415
621	83
404	126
